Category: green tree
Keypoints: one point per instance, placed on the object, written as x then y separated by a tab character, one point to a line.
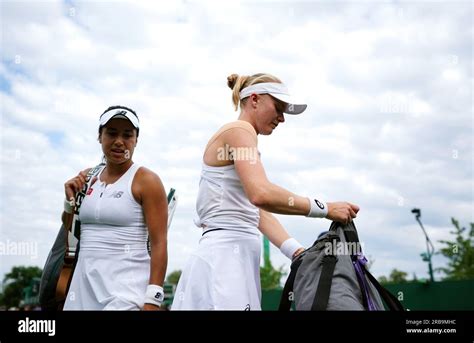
460	253
173	277
270	277
396	276
14	282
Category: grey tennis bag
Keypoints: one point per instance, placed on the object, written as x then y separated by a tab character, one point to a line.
331	276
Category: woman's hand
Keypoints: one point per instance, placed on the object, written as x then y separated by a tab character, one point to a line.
151	307
298	252
342	212
74	185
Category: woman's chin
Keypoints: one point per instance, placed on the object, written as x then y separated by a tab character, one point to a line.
269	131
116	160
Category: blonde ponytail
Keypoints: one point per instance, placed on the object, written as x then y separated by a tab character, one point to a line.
238	82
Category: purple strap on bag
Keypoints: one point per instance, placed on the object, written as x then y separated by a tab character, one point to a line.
359	264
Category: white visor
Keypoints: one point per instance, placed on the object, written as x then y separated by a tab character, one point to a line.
119	113
277	90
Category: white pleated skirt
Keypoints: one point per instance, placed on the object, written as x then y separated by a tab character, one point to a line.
223	274
109	280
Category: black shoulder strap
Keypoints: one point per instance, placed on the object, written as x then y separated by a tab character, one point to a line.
351	236
286	295
349	230
391	301
334	226
350	233
321	299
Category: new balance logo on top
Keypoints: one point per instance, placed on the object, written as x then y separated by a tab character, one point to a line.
116	194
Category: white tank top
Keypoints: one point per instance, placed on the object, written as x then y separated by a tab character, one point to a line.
111	218
222	202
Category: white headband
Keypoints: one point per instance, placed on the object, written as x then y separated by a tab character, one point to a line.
277	90
119	113
264	88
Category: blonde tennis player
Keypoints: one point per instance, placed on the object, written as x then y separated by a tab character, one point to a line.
235	202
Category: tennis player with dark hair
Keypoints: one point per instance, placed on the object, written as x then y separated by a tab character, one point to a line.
125	204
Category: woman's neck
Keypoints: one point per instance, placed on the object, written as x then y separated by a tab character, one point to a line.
114	169
246	116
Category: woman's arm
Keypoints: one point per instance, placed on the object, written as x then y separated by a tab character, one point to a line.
270	197
276	233
272	228
155	209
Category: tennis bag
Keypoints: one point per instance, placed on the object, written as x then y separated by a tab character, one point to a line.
51	272
332	276
60	264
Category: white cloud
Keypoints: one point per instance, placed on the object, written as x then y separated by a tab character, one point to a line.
389	124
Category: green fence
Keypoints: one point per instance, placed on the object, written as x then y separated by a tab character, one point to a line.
441	296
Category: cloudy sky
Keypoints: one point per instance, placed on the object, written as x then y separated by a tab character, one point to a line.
389	124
